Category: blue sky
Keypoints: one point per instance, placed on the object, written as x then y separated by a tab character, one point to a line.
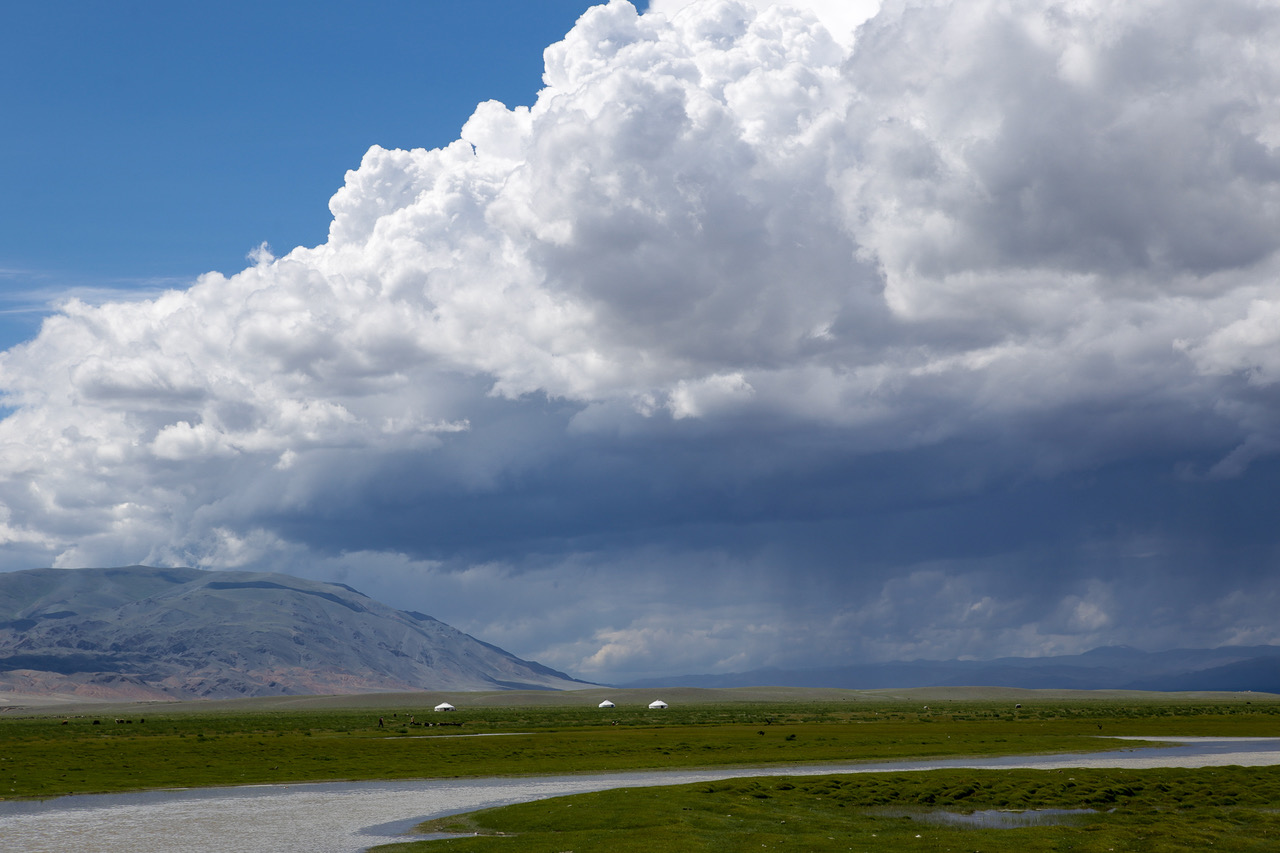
707	337
147	142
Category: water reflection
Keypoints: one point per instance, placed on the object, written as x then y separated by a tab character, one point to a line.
1001	819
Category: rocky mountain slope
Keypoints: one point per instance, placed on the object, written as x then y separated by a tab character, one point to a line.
147	633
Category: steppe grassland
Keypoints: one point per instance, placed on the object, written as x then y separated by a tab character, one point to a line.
295	739
1219	809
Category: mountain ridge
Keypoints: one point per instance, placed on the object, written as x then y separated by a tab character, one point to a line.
1229	668
140	632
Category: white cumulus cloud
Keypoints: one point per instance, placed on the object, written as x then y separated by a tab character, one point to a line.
1048	227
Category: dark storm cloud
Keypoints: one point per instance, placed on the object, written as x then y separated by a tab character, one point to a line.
745	344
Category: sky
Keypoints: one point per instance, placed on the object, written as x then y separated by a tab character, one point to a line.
644	341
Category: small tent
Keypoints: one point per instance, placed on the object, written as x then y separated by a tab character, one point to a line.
445	706
606	704
657	704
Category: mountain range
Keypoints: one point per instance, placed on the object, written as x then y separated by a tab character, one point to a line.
140	633
146	633
1227	668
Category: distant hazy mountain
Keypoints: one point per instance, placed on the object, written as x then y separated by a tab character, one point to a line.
140	633
1255	668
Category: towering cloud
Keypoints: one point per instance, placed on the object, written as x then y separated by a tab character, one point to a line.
760	335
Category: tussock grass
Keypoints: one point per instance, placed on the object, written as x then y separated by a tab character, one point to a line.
1222	809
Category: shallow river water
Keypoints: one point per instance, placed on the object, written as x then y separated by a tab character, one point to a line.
352	816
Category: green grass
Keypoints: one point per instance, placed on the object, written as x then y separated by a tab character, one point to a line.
1221	809
305	740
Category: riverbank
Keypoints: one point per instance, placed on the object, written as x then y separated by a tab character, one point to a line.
351	817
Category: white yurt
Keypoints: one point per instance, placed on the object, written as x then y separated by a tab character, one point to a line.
606	704
657	704
445	706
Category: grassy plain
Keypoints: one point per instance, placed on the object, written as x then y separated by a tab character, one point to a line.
338	738
1220	809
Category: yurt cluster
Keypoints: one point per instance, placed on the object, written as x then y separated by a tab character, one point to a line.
655	705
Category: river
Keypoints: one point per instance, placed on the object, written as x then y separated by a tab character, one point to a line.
350	817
